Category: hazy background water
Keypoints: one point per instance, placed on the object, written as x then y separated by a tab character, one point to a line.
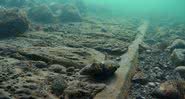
140	8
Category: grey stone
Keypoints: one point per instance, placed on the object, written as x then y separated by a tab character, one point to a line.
57	68
178	57
70	69
40	64
4	94
70	13
181	71
151	84
23	91
177	44
140	97
41	14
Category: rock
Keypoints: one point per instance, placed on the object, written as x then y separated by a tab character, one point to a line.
112	51
57	68
143	47
4	95
140	78
170	90
151	84
103	30
29	74
66	56
82	90
39	64
6	69
118	59
70	69
140	97
41	14
70	13
104	69
148	51
58	85
118	51
12	22
181	71
31	86
162	45
23	91
177	44
178	57
26	97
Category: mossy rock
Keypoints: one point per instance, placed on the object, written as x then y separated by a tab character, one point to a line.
58	85
70	13
41	14
13	22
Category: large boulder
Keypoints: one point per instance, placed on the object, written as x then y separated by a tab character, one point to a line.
178	57
60	5
12	22
41	14
70	13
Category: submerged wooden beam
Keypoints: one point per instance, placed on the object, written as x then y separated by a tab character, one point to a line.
118	86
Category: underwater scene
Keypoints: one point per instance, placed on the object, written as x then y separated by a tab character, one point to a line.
92	49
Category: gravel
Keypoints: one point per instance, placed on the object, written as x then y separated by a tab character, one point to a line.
158	68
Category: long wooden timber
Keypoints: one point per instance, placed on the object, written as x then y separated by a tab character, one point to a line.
118	86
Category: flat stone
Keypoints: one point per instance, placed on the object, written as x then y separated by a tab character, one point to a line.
40	64
70	69
78	57
57	68
23	91
140	78
151	84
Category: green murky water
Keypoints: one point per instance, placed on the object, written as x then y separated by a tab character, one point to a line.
79	49
143	8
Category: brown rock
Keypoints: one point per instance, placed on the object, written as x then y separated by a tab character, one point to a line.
170	90
104	69
140	78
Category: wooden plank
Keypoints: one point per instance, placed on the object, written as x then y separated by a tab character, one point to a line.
117	87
